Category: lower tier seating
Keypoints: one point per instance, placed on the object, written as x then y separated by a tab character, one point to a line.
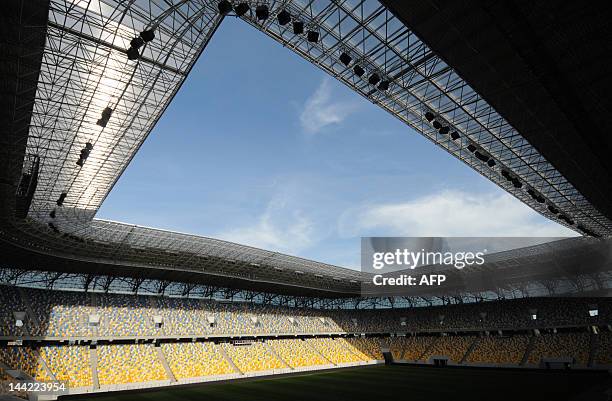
252	357
118	364
499	349
297	353
188	360
138	363
559	346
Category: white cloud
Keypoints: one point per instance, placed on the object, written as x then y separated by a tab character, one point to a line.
278	228
450	213
320	110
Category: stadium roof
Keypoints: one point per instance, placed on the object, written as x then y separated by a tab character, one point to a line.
544	66
77	93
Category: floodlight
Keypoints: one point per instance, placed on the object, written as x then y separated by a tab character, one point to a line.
241	9
62	197
224	7
374	79
345	59
261	12
481	156
148	35
133	54
312	36
298	27
137	42
283	17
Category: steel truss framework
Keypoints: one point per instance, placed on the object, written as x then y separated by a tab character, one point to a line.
575	265
125	285
86	71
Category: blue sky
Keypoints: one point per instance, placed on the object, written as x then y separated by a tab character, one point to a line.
261	148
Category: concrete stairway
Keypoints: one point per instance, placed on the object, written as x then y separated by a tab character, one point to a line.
528	350
273	352
41	361
164	362
228	359
470	350
428	349
93	360
317	351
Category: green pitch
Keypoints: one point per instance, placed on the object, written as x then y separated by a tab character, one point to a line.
383	383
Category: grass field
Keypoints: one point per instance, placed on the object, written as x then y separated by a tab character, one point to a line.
384	383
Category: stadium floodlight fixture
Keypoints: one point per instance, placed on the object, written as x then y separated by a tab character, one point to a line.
132	53
384	85
429	116
241	9
106	114
481	156
444	130
553	209
283	17
345	59
437	124
61	199
491	163
455	135
54	228
85	153
298	27
471	147
358	70
148	34
137	42
374	79
312	36
536	195
224	7
588	231
262	13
